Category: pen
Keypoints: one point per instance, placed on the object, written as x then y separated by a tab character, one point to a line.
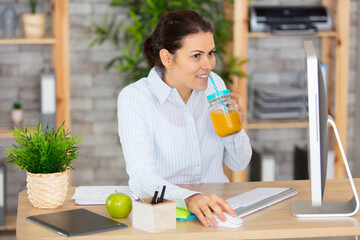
161	199
155	196
137	198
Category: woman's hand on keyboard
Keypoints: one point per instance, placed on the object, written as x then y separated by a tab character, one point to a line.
206	204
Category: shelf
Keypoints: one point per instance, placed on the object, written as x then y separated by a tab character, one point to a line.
293	123
47	40
10	223
334	49
267	34
58	41
60	56
5	133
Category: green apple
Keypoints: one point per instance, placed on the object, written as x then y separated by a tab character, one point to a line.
118	205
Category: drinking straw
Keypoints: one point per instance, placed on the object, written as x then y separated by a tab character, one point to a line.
216	89
213	83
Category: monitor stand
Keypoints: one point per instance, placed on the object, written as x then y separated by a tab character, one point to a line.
304	208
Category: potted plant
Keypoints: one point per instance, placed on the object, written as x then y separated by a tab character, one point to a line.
47	155
34	23
16	115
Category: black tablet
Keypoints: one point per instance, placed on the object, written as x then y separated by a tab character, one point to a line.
76	222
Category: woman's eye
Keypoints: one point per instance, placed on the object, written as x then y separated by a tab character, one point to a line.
196	55
212	53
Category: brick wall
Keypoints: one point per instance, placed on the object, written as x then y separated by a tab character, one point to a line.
94	92
93	98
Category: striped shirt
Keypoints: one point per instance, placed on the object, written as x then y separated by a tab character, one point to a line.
168	142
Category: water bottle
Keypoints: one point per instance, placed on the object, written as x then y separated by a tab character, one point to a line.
8	20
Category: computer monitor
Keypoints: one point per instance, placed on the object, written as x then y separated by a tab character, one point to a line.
318	127
318	148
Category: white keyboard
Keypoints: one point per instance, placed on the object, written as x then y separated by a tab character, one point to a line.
259	198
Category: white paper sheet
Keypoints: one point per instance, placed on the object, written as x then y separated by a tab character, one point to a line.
97	195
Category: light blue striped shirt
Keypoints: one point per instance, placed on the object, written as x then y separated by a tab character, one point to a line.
168	142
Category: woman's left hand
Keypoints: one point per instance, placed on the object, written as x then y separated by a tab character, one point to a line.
241	110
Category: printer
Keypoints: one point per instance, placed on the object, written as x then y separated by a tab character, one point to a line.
289	19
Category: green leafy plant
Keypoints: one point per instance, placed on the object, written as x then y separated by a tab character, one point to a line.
17	105
43	149
144	15
33	4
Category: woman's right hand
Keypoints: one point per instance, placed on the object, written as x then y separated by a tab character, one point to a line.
205	205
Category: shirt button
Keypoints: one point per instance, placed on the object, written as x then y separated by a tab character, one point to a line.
197	169
195	144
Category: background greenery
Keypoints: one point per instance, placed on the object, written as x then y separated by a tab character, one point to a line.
144	15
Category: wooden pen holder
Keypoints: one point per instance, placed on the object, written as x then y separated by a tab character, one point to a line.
154	217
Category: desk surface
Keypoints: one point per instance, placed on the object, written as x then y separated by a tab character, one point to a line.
274	222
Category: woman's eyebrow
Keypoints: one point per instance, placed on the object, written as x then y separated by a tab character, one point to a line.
200	51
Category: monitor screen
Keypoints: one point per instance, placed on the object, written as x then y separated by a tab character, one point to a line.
318	125
318	149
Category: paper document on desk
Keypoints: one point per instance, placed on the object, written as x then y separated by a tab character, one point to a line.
96	195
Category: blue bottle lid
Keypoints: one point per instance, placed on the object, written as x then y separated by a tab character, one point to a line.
218	94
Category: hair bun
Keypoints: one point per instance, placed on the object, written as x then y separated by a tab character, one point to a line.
169	33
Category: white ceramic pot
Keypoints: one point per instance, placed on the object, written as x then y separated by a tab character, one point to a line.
16	115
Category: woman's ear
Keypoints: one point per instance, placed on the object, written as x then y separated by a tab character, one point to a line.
166	58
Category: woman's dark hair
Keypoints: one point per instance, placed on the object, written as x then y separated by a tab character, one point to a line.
170	32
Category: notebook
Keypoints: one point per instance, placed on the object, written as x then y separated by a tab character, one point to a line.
76	222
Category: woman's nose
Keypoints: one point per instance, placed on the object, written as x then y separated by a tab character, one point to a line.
207	63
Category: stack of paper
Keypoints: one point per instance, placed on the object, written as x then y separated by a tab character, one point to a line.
97	195
279	101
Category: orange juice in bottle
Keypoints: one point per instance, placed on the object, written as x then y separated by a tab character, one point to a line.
224	114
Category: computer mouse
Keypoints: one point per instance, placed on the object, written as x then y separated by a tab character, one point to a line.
231	221
234	220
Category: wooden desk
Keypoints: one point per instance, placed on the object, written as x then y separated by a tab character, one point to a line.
274	222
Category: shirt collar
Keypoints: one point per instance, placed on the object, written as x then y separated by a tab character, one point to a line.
163	91
157	85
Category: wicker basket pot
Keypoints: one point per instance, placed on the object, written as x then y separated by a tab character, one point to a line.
34	25
47	190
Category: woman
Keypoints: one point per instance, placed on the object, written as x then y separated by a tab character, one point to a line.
164	125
